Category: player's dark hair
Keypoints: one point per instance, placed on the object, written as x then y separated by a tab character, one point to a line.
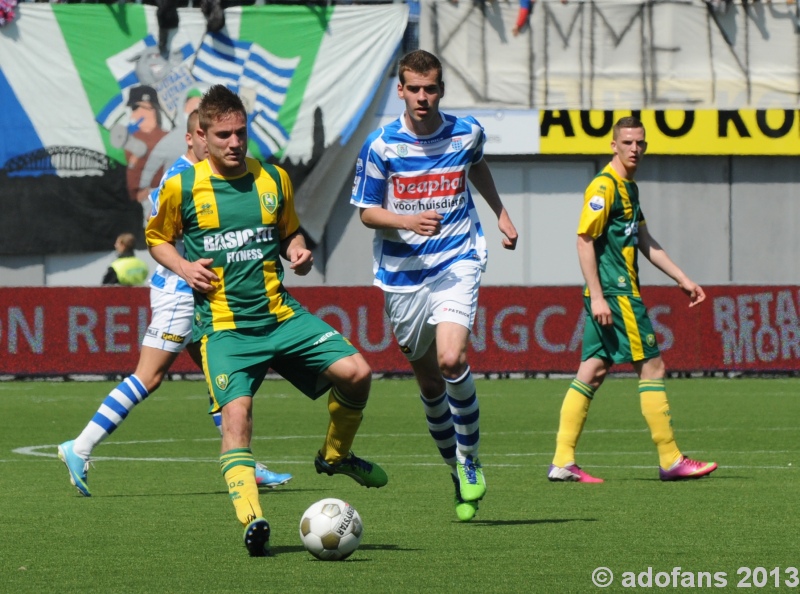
419	62
626	122
217	102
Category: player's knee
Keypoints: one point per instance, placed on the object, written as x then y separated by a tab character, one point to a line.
431	388
150	380
236	419
452	364
362	380
354	375
599	377
592	372
657	368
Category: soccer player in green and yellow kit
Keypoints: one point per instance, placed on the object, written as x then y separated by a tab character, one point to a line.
237	219
611	232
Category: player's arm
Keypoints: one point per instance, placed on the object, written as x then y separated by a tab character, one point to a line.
425	223
293	243
369	192
196	274
587	258
653	251
597	202
163	229
481	177
294	249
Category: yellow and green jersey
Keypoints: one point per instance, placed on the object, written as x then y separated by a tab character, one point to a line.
612	216
239	223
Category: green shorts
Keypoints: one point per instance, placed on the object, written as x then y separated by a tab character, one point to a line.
299	349
630	337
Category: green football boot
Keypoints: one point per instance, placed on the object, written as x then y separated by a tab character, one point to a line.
361	471
471	479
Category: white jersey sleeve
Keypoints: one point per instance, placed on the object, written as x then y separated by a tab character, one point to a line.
163	278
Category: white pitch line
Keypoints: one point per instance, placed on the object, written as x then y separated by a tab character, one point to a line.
305	461
50	453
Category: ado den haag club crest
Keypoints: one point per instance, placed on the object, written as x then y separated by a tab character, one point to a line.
269	201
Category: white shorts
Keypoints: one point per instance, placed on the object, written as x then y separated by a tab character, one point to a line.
451	298
170	326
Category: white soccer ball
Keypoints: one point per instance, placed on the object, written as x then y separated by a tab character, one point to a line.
331	529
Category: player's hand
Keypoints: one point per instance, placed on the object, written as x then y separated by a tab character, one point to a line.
694	291
301	261
601	312
198	274
427	223
508	230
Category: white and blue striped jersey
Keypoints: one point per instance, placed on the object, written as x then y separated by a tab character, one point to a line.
408	174
163	278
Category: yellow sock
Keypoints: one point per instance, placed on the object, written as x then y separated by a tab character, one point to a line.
238	468
573	416
345	420
655	408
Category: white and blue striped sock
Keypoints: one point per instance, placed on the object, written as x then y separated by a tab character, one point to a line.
110	415
217	416
440	426
463	401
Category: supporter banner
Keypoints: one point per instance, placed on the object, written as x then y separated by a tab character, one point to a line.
94	110
673	132
615	54
60	331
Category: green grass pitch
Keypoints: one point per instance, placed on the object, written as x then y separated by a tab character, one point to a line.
160	519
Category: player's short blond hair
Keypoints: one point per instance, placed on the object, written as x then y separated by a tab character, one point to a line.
192	121
626	122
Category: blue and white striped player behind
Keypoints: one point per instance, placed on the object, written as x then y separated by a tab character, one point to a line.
429	253
169	332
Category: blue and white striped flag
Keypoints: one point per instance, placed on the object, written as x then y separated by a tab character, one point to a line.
256	74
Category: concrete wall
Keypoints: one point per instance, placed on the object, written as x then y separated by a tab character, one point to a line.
765	217
723	220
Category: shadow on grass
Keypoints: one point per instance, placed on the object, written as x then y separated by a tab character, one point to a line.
366	547
701	479
525	522
264	491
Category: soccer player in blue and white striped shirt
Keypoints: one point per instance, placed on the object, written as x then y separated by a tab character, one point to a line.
429	253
